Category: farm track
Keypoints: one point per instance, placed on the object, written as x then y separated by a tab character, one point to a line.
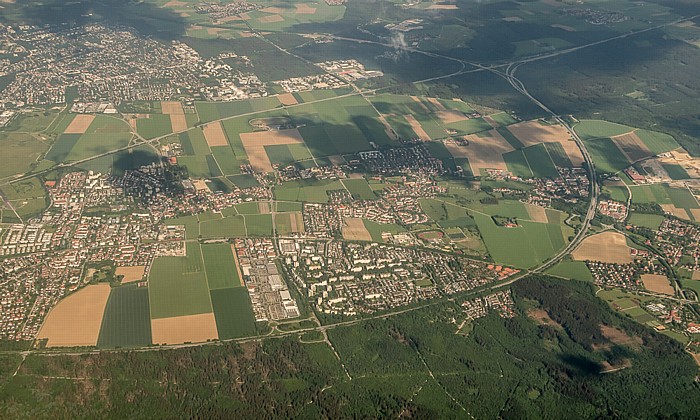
508	74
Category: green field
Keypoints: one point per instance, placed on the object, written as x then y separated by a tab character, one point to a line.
156	125
606	156
663	194
251	207
234	315
126	321
675	172
226	227
657	142
177	286
523	246
576	270
517	164
359	188
596	129
19	152
540	162
650	221
191	225
220	266
376	229
306	190
258	224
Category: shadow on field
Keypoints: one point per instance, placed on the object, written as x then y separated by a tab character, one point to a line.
147	18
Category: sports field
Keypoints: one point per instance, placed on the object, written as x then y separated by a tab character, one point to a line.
76	320
126	321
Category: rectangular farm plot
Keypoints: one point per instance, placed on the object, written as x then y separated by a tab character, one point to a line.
184	329
607	247
178	121
126	321
483	152
254	144
632	147
233	313
75	321
214	134
131	274
289	223
222	270
354	230
533	132
658	283
80	124
178	286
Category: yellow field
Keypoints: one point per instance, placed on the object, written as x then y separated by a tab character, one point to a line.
679	213
80	124
536	213
254	144
533	132
607	247
442	7
482	152
177	115
658	283
354	230
184	329
76	320
171	107
214	134
305	9
287	99
131	274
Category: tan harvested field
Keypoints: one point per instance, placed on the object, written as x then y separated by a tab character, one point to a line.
171	107
271	19
273	10
80	124
76	320
532	132
607	247
287	99
419	102
131	274
178	122
536	213
215	31
671	209
564	27
483	152
450	116
437	104
620	337
184	329
442	7
230	19
244	16
264	207
632	147
695	213
254	144
354	230
416	127
512	19
305	9
658	283
696	275
337	160
214	134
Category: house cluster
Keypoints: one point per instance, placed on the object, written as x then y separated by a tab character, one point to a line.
349	70
614	209
625	276
500	302
349	279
